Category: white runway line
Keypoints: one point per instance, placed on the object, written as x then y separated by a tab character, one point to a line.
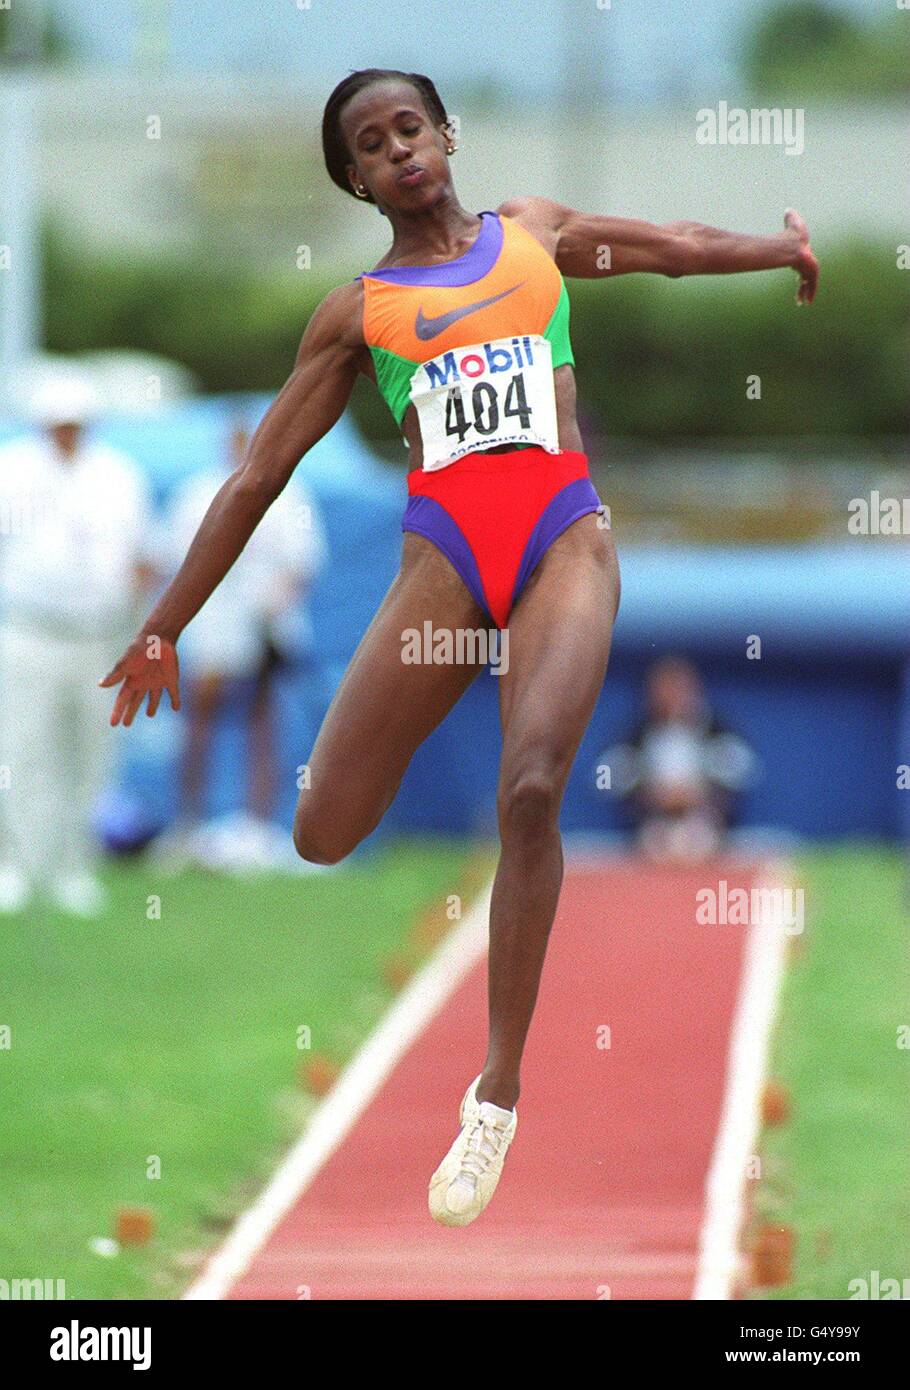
418	1003
740	1120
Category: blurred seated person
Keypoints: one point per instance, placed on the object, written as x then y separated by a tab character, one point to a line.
680	768
253	625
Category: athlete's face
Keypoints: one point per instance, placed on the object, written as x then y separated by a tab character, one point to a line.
398	154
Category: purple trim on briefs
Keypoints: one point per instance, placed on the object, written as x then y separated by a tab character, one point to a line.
473	265
429	518
574	500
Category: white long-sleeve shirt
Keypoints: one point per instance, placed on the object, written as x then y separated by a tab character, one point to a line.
71	533
287	549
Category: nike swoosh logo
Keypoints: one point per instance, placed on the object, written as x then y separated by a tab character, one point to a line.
431	328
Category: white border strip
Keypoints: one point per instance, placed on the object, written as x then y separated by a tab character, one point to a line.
418	1002
740	1121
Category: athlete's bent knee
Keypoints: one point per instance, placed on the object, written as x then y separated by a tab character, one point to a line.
529	806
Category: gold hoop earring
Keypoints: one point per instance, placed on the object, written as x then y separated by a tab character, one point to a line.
451	149
361	192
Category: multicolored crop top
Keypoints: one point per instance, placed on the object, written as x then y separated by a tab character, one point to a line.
499	299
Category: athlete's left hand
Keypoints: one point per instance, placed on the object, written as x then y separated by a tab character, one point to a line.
804	261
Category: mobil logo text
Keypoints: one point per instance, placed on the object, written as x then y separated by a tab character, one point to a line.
484	359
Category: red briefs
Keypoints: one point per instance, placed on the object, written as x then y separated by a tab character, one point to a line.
494	515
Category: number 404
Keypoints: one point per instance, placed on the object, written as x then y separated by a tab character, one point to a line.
485	407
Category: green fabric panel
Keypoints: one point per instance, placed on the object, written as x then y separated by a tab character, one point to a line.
393	373
557	331
393	377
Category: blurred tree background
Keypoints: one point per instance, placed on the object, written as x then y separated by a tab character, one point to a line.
810	49
652	355
21	37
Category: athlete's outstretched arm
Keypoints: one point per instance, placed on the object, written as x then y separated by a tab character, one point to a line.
306	408
587	246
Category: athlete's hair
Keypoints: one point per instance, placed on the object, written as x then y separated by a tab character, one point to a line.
334	146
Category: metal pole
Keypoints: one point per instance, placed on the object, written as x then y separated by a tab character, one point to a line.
20	293
583	99
20	273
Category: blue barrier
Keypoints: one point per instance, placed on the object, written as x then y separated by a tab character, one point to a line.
826	706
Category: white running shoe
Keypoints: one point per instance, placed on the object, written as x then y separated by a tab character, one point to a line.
466	1178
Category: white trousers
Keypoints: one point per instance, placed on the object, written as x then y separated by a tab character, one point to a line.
56	745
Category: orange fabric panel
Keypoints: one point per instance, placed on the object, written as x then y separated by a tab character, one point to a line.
390	311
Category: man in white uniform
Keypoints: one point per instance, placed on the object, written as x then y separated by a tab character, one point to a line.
74	521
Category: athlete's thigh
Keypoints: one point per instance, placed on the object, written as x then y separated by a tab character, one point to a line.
385	705
559	644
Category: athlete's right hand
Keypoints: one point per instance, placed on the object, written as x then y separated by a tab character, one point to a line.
149	666
805	262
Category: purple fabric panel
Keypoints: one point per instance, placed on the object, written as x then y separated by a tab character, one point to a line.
429	518
572	501
473	265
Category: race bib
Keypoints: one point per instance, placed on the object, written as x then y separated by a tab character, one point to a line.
470	398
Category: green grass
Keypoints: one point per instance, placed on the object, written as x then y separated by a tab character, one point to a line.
133	1037
839	1170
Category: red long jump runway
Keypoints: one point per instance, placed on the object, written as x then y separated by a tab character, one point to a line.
603	1191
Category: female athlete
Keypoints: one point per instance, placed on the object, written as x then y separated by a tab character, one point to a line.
464	328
